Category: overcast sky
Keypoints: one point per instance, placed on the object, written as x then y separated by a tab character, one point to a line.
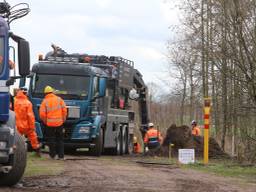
134	29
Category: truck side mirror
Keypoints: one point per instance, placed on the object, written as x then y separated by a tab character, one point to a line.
102	87
24	57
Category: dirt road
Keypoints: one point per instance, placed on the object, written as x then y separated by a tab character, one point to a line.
110	174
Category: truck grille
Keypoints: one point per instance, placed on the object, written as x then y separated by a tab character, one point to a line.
73	112
68	131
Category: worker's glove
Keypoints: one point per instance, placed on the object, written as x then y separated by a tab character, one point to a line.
146	149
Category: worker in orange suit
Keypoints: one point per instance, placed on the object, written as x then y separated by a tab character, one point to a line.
53	113
195	129
152	139
25	119
136	145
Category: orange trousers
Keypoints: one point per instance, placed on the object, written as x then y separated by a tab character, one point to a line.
31	135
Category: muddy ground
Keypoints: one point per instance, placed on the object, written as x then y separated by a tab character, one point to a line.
110	174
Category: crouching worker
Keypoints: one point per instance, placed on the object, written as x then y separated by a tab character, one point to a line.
195	129
25	119
152	139
53	113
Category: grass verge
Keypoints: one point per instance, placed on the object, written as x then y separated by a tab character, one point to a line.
227	169
37	166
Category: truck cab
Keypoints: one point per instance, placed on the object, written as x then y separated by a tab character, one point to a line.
12	146
79	85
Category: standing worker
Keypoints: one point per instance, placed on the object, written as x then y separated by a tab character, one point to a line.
53	113
153	138
25	119
195	129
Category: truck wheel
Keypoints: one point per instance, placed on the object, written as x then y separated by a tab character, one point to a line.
127	141
124	141
19	161
118	150
97	150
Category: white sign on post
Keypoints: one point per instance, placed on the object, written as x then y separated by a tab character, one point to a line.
186	156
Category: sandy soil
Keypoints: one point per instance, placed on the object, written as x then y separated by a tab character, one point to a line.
115	174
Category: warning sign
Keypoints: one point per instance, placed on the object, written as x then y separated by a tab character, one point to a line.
186	156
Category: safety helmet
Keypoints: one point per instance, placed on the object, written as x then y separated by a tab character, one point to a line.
134	139
48	89
151	125
24	89
193	122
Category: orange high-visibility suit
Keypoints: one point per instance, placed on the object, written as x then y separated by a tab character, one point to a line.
25	119
136	148
196	131
153	138
53	110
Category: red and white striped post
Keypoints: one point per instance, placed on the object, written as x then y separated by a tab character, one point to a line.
207	106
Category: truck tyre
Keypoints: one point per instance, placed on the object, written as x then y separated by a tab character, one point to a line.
127	141
124	140
97	150
19	161
118	148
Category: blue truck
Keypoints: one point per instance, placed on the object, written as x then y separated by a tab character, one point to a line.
100	93
12	145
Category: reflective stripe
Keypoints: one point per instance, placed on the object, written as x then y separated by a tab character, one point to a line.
43	110
46	105
4	89
61	103
50	120
54	108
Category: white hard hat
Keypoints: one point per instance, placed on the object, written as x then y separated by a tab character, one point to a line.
135	139
151	125
193	122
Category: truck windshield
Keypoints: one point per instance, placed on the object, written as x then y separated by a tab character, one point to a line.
66	86
1	54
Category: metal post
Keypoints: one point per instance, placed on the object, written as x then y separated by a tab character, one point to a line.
170	150
207	104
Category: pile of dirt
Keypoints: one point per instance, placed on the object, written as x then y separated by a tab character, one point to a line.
182	138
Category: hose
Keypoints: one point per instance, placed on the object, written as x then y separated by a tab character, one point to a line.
15	12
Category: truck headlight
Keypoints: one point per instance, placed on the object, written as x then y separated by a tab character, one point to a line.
84	130
3	144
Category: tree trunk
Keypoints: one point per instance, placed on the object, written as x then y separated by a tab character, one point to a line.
224	76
